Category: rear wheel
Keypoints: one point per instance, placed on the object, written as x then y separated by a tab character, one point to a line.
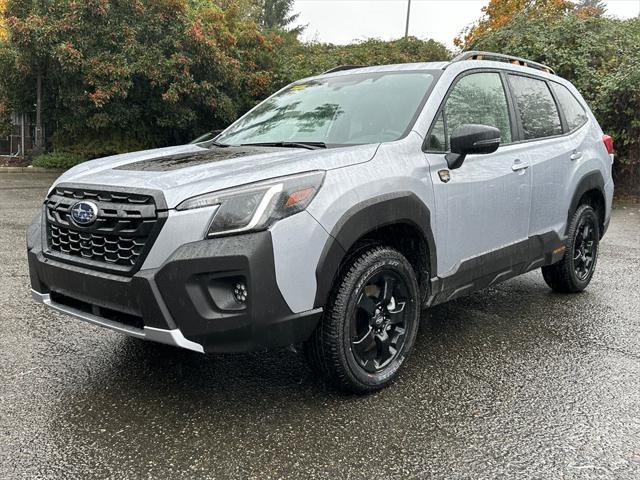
574	272
370	323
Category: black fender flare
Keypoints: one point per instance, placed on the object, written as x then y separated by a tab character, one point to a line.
365	217
590	181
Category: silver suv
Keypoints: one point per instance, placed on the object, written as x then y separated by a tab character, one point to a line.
333	212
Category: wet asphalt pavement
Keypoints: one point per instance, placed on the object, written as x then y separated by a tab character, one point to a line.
511	382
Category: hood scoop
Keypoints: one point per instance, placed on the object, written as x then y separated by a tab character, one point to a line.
185	160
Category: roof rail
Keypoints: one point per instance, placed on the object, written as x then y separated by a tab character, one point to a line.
498	57
342	68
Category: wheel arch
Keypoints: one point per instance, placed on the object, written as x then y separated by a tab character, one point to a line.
589	191
400	220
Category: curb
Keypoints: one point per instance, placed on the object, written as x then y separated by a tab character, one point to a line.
30	170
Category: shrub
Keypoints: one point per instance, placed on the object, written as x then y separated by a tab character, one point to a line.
57	160
105	144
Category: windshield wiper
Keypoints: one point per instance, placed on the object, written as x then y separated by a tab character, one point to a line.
213	143
307	145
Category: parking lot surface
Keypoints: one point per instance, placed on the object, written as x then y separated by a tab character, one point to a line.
511	382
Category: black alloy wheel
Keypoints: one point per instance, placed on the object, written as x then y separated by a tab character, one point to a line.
370	322
378	326
584	248
573	273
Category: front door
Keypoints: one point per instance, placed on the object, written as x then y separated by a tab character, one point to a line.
483	206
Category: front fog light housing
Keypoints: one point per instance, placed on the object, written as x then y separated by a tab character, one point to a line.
257	206
240	292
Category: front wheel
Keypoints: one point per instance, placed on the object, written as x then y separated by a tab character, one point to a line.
574	272
370	323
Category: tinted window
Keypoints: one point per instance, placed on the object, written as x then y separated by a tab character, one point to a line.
345	109
573	111
536	107
477	98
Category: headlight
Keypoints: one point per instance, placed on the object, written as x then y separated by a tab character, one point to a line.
258	205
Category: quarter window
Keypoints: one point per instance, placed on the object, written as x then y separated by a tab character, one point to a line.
477	98
574	113
536	107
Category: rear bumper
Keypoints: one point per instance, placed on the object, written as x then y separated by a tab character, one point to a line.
187	302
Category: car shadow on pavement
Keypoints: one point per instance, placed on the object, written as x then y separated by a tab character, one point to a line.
454	330
143	401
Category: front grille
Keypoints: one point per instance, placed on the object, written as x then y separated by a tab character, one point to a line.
118	250
118	240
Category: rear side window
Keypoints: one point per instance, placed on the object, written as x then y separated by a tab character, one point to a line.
536	107
574	113
477	98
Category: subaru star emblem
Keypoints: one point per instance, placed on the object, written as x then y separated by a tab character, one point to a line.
84	213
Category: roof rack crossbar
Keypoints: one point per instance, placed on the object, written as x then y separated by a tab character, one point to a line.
499	57
342	68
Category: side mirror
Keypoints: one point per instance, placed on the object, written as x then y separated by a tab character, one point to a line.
471	139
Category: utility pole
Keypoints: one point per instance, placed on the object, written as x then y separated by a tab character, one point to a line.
39	143
406	30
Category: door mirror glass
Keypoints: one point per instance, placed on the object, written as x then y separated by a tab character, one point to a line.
471	139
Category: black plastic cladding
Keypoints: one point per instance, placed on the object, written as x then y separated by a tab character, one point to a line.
127	226
591	181
403	208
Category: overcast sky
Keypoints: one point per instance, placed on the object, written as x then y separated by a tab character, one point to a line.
343	21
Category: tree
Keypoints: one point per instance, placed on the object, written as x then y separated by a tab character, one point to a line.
3	27
118	76
127	75
297	60
7	85
591	8
498	13
32	39
277	14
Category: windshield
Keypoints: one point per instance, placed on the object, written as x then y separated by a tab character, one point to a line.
343	110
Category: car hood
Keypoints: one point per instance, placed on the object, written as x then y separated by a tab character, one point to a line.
185	171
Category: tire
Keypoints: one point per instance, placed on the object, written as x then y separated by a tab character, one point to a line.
574	272
367	331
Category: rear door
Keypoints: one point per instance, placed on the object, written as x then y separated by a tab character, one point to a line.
484	205
547	112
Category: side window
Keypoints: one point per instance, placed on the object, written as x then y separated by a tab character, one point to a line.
536	107
476	98
437	140
573	111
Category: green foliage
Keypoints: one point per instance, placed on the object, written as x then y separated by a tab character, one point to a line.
296	60
148	70
93	146
595	8
121	76
600	56
6	107
62	160
276	13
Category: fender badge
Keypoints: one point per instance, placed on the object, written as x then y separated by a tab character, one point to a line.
444	175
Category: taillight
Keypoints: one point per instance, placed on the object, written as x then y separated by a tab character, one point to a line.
608	142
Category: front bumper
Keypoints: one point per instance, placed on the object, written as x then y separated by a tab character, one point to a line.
186	302
170	337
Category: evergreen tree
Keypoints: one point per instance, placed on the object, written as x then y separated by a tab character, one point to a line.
277	14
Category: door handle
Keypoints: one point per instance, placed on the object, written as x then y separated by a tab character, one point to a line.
575	156
519	165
